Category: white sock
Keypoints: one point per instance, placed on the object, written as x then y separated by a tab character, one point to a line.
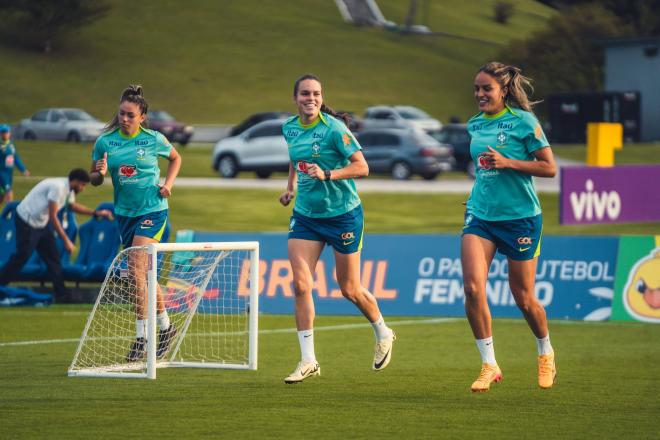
141	328
381	331
163	320
487	350
543	345
306	340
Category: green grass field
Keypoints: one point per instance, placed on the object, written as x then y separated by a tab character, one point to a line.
217	62
606	385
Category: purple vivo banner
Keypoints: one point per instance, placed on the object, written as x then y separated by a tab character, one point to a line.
620	194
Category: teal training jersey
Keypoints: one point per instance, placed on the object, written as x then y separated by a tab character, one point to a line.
504	194
328	143
133	165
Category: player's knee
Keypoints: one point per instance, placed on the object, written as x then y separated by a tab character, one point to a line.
472	290
526	302
301	287
351	291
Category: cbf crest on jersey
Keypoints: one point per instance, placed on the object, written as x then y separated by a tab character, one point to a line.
141	153
316	150
501	138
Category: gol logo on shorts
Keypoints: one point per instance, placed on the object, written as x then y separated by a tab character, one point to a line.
347	236
147	222
524	240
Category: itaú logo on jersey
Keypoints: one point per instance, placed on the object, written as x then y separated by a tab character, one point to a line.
590	203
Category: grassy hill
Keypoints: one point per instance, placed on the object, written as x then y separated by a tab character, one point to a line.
208	62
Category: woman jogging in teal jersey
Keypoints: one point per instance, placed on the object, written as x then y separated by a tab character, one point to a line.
503	212
131	152
324	160
9	159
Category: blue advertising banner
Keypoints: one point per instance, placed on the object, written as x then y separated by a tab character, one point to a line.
420	275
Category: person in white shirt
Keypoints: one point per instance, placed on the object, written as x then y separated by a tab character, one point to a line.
36	219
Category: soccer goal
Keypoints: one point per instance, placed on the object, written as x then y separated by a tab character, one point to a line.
209	291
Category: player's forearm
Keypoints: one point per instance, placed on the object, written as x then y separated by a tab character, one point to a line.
81	209
351	171
172	171
291	180
537	168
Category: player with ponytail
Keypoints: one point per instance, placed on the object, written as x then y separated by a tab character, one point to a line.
130	153
503	212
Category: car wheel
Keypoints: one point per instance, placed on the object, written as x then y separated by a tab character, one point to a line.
430	176
227	167
401	171
29	135
263	174
73	136
471	170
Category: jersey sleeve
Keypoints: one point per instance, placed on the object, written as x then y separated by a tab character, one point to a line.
535	138
99	149
344	140
18	163
163	146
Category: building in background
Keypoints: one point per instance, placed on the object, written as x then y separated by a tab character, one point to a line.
634	64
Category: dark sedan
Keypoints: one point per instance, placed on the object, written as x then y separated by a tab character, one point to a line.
457	136
173	130
404	152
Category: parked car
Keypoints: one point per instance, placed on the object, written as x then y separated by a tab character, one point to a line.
399	116
260	148
255	119
404	152
69	124
173	130
355	122
458	137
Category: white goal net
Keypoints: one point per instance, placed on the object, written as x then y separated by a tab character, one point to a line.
207	292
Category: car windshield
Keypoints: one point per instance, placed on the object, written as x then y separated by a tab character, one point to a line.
422	138
160	115
412	113
78	115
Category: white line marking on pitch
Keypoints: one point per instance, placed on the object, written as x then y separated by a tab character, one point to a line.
262	332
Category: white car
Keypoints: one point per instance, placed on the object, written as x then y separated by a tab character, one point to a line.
260	148
62	124
399	116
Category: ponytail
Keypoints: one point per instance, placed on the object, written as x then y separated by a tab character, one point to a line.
133	94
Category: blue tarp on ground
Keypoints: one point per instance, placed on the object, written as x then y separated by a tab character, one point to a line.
18	296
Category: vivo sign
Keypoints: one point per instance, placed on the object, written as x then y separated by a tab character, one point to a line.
620	194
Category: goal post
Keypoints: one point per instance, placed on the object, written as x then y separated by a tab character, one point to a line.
209	293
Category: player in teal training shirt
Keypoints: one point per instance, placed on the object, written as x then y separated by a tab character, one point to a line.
325	158
503	212
131	152
9	159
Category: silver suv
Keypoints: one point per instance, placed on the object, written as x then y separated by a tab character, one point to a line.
260	148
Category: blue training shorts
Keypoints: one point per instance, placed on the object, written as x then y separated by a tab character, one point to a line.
343	232
150	225
518	239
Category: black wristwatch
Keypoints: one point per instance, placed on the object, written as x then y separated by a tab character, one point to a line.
327	174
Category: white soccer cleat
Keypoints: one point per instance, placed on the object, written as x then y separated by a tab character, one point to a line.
383	352
303	371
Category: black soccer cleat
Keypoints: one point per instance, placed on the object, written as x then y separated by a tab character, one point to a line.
138	350
165	338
